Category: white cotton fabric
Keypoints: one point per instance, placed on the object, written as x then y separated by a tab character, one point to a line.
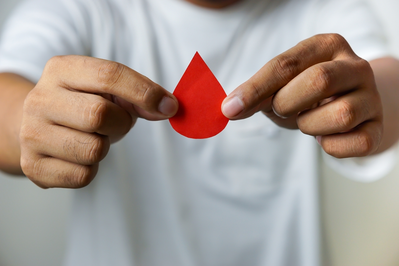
364	169
247	196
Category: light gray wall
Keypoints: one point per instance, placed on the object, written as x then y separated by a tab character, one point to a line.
361	221
33	223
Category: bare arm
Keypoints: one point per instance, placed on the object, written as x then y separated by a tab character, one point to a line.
13	91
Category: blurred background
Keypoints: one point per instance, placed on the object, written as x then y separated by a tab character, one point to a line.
360	221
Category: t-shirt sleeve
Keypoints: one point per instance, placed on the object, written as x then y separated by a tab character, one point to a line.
357	23
364	169
38	30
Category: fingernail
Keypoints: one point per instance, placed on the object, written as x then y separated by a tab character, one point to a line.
233	107
318	139
167	106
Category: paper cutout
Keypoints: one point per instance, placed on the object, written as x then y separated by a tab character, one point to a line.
200	97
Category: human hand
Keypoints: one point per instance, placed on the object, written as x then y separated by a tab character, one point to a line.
321	87
78	108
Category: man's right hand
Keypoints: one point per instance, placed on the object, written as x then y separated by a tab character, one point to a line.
78	108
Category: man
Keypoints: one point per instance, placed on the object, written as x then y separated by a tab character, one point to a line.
245	197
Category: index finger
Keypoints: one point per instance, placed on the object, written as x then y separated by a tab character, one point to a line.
100	76
278	72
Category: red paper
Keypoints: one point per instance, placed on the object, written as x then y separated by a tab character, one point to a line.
200	97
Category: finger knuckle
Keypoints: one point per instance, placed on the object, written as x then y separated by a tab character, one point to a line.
286	67
26	134
34	102
147	94
365	67
331	148
53	64
32	168
336	148
345	116
109	74
94	114
80	177
86	151
256	90
94	150
31	133
322	78
27	165
364	144
333	40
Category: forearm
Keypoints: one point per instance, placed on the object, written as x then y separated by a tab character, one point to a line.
13	90
386	71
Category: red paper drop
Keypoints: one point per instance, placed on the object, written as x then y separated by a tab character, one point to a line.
200	97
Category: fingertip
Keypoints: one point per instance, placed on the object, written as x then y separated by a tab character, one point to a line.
232	107
168	106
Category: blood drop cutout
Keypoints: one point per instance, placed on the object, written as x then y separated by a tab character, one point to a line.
200	97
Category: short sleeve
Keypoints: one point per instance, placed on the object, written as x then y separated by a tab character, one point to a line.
356	22
38	30
364	169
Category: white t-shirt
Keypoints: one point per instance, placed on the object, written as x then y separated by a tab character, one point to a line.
245	197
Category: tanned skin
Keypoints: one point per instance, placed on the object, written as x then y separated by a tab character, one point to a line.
56	132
